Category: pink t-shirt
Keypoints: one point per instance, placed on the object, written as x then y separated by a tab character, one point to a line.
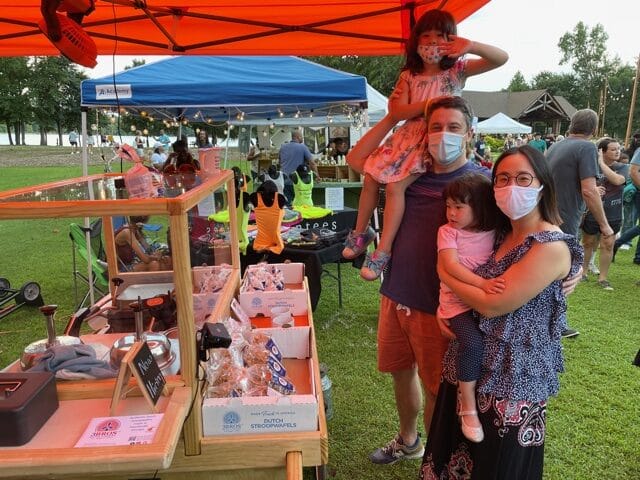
474	248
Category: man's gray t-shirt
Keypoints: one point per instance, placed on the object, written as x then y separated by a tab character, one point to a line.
572	160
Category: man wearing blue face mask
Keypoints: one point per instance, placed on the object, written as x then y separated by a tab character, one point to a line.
410	345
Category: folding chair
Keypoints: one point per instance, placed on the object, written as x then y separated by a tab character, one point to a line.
100	281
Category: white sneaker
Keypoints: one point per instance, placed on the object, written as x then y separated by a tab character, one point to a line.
593	269
625	246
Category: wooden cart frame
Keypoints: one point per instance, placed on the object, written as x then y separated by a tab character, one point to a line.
179	446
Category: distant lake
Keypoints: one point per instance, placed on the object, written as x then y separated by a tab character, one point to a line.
33	139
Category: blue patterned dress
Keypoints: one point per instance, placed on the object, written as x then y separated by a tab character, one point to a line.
521	363
404	152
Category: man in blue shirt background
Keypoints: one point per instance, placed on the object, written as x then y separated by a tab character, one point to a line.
292	155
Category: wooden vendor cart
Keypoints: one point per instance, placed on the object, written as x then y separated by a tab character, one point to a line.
179	449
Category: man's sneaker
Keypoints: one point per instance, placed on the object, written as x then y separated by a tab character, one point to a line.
625	246
356	243
396	450
593	269
569	332
605	285
374	265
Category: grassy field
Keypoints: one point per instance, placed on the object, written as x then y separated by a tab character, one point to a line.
593	426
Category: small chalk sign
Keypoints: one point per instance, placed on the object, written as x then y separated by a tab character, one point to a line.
140	363
146	370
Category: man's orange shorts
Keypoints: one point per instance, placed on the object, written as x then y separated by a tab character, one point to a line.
406	341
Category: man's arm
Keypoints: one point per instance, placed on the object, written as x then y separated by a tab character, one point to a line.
591	197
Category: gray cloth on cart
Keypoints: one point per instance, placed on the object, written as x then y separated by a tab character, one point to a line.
74	361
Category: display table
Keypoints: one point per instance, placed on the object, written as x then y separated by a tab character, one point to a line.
179	445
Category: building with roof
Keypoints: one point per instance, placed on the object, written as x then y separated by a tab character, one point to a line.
544	112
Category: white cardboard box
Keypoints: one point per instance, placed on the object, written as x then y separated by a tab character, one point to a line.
203	303
230	416
269	414
292	342
294	296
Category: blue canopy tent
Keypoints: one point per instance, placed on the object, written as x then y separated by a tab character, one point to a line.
208	88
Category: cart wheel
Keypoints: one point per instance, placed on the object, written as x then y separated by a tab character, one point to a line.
4	288
30	291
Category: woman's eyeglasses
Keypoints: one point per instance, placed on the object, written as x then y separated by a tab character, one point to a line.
522	179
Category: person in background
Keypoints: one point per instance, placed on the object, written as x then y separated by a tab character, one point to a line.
574	165
538	143
253	157
509	143
292	155
202	140
341	148
435	65
73	141
522	332
158	157
164	139
613	178
479	149
627	236
134	251
179	157
91	141
139	141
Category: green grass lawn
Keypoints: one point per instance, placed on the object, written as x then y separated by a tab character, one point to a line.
593	426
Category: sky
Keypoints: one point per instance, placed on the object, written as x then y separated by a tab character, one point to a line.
529	30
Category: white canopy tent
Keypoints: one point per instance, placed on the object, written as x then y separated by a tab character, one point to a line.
501	123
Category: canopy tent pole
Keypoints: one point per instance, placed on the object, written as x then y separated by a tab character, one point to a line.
86	222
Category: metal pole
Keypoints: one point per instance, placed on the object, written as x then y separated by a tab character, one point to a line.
633	104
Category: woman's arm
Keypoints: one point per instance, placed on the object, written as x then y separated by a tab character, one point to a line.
540	266
490	57
448	260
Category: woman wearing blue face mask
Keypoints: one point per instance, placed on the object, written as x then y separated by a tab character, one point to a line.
521	327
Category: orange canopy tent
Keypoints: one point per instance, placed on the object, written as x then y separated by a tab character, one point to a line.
232	27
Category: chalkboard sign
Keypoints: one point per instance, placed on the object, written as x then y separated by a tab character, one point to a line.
140	363
146	370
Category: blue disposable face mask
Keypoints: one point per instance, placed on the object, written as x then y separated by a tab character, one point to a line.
446	147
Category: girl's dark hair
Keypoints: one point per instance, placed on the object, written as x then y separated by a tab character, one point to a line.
548	204
431	20
475	190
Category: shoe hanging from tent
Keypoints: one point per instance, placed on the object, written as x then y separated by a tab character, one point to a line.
223	27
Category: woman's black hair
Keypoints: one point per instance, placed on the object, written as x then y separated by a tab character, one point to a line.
475	190
548	204
431	20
